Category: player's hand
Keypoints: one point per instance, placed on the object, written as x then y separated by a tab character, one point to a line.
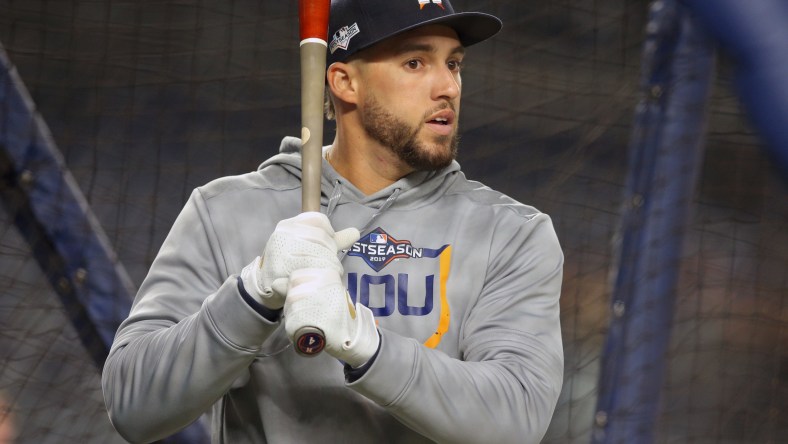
305	241
317	298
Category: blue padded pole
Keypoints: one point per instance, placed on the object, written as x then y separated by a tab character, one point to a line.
54	216
755	34
65	237
665	155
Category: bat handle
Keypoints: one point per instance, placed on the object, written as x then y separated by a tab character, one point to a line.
313	21
309	341
313	78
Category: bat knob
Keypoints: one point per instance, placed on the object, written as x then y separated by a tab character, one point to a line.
309	341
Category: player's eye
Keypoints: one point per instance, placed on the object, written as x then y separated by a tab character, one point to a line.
454	65
413	64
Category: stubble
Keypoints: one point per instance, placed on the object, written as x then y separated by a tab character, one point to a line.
403	139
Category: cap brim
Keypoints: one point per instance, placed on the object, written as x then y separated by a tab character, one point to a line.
471	28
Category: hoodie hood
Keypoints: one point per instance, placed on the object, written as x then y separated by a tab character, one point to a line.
414	190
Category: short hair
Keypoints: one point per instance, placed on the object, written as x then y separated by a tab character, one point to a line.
328	104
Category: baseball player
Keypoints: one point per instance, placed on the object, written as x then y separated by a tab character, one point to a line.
438	297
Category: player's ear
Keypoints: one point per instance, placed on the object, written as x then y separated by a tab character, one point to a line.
342	79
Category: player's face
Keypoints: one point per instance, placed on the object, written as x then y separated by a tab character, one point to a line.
411	99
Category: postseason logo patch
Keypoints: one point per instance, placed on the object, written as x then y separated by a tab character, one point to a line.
341	38
379	249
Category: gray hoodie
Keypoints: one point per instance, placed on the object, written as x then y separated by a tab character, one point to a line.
463	281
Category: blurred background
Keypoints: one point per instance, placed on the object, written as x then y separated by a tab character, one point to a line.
146	100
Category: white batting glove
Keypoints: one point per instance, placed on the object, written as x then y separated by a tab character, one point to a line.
304	241
317	298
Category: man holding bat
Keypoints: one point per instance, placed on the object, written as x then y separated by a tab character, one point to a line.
437	297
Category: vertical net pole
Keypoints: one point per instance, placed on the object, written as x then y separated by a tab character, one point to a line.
665	157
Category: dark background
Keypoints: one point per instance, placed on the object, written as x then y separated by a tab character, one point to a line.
149	99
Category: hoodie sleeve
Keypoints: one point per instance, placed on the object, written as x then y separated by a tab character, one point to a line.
506	386
189	335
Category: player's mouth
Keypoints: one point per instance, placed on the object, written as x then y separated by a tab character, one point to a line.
442	122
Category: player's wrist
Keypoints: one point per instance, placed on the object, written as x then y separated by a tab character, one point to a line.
359	349
252	282
271	315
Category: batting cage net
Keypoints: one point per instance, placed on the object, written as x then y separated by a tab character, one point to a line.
125	106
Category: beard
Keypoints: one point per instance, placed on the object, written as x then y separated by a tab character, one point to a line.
401	139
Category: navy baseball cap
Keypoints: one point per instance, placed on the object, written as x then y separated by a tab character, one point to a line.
358	24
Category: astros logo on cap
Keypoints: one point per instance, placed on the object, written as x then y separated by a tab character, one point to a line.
424	2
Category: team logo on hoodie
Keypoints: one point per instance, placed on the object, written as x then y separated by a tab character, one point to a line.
420	292
379	249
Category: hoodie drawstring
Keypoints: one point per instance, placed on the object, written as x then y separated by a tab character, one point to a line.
337	194
390	201
334	199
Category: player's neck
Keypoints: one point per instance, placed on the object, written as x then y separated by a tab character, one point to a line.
367	165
